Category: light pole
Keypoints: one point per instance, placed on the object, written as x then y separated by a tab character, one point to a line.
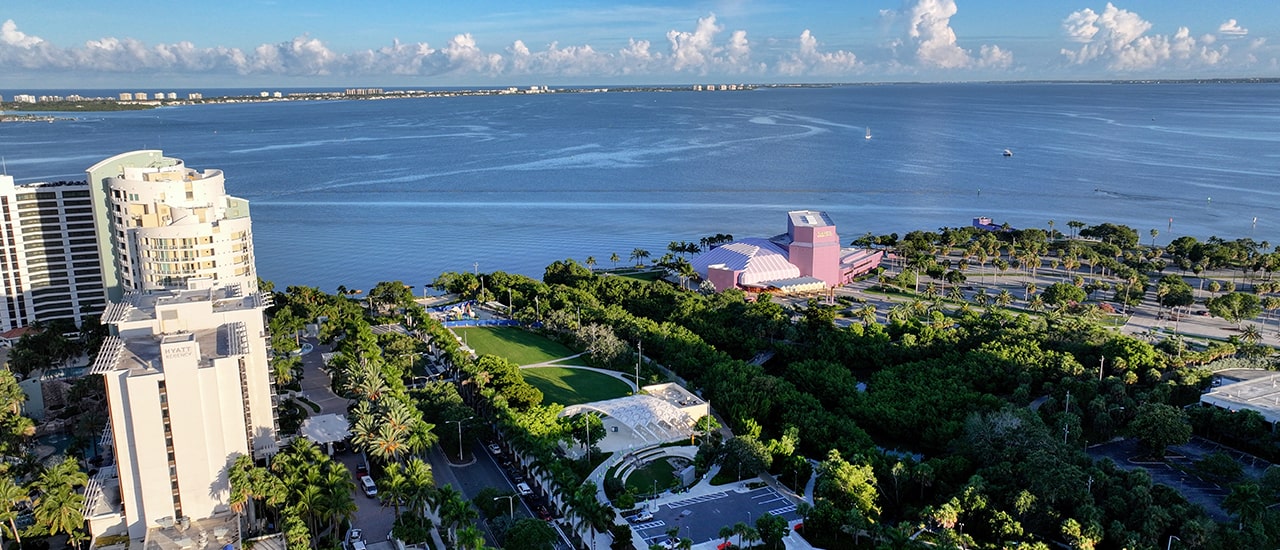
459	422
511	504
586	424
1169	545
1101	361
639	357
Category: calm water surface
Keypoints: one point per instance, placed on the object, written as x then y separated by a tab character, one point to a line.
354	192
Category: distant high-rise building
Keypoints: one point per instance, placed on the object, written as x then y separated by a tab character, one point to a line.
140	96
161	225
48	254
126	96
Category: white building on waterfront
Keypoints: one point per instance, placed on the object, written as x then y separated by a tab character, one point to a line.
168	225
186	364
48	259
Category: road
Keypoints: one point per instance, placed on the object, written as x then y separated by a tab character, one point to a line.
376	519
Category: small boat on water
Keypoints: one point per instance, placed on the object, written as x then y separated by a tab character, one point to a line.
1008	153
868	132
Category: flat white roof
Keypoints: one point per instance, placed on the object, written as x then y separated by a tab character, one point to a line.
1260	394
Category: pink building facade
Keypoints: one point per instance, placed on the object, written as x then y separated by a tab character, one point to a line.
806	258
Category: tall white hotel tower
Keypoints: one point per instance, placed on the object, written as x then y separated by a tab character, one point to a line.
186	364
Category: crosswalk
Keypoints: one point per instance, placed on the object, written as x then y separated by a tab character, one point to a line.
783	510
695	500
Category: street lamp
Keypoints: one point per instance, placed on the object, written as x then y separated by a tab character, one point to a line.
459	422
511	504
1169	545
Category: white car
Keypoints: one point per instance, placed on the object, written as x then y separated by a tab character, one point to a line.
370	488
495	449
523	489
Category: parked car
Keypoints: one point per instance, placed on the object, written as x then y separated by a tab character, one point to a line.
355	540
370	488
523	489
495	449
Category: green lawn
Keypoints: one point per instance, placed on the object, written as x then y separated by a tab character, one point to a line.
574	386
642	481
517	345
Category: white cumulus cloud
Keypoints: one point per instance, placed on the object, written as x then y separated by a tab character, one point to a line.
1119	40
1232	28
808	60
932	42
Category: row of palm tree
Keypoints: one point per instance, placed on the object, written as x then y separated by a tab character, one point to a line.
309	493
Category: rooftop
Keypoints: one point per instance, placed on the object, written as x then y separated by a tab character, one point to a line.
1259	394
217	532
809	218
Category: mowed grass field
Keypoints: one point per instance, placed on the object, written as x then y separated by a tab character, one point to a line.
517	345
574	386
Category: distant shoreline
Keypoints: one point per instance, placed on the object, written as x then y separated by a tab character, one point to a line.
101	104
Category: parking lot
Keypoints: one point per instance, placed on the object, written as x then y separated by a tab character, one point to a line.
700	518
1207	494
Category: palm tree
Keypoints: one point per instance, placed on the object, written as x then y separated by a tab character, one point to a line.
419	483
394	487
1075	227
639	255
1245	502
726	533
337	502
1251	334
11	495
57	508
614	258
307	502
470	538
867	313
455	511
740	529
1004	298
591	263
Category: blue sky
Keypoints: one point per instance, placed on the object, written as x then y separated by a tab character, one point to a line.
68	43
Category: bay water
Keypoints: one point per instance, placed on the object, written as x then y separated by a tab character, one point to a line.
355	192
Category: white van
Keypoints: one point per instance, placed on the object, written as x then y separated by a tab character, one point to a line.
370	488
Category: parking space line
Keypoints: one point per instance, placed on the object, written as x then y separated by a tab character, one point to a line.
650	525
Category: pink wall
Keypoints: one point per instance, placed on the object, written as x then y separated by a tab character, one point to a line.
816	251
722	277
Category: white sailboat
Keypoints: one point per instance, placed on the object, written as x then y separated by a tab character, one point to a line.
868	132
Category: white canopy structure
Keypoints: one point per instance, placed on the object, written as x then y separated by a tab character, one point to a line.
759	260
325	428
650	418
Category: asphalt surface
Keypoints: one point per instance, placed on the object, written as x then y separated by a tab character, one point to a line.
1125	453
700	518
